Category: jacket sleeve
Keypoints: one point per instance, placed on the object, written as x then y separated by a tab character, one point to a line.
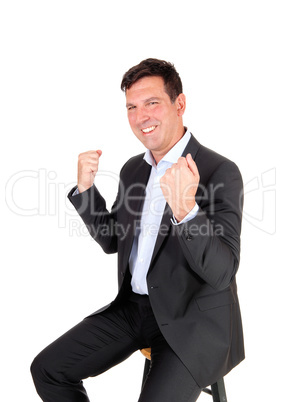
100	223
211	241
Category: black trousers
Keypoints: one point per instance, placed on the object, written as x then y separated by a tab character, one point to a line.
102	341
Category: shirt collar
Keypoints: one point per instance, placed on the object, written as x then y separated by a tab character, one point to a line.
173	155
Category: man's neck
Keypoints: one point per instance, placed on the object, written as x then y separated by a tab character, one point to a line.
157	157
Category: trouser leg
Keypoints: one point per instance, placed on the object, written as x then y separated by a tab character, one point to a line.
168	379
98	343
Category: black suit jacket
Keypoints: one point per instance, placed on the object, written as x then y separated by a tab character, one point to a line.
191	278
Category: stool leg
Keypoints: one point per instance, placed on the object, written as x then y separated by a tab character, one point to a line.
218	391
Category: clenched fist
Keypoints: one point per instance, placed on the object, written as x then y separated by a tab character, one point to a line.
179	186
88	163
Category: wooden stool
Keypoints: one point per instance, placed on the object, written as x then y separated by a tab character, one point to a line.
217	390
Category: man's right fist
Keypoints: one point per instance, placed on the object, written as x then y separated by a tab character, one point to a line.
88	163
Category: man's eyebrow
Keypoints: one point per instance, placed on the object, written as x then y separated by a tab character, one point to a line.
153	98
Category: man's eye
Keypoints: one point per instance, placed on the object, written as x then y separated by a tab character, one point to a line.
131	107
153	103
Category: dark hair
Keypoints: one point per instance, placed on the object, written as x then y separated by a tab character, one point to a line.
155	67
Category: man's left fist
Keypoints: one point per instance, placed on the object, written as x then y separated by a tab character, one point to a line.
179	186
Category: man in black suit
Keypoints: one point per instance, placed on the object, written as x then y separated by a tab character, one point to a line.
180	205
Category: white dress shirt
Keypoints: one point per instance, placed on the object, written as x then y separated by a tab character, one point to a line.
153	208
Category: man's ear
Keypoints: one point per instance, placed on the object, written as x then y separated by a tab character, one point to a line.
181	104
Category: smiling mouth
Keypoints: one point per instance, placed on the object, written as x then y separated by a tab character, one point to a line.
148	129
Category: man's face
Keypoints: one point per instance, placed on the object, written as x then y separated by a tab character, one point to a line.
154	119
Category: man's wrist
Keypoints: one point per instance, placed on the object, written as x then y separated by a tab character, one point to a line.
180	215
190	215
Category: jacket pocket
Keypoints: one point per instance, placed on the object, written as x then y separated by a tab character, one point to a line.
216	300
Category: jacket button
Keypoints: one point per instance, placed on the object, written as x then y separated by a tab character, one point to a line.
187	235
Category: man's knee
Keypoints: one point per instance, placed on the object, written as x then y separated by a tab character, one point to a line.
41	368
37	369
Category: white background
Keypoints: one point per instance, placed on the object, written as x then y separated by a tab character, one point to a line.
61	68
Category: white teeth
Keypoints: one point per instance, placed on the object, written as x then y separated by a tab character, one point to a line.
148	129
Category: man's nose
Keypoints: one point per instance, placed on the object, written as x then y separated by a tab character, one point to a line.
142	116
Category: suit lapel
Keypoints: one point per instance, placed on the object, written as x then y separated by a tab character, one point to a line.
192	147
136	192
